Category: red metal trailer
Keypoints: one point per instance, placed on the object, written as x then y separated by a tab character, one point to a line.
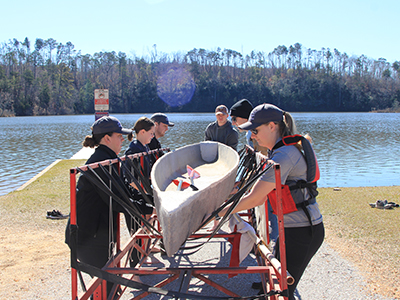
274	275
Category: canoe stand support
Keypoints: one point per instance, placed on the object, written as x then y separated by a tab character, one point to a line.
269	268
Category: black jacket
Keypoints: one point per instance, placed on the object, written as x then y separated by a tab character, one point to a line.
154	144
137	147
92	206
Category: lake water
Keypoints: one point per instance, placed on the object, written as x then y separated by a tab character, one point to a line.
353	149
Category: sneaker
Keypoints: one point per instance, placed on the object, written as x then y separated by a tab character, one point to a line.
56	214
388	206
380	204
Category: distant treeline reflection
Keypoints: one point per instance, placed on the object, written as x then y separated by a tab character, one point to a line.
50	78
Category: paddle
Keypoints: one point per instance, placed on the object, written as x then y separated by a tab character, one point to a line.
184	185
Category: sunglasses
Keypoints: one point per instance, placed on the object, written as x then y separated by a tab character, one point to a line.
233	118
254	131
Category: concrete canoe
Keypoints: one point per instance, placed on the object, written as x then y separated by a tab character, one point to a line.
180	213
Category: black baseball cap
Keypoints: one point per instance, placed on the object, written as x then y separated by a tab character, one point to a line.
160	117
262	114
109	124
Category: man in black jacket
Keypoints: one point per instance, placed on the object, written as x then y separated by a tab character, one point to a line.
222	130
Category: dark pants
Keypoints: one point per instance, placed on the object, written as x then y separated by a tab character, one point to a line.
301	246
95	256
133	227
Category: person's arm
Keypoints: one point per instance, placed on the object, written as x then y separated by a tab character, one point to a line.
233	139
207	133
256	197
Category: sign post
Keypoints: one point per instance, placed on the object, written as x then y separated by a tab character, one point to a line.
101	103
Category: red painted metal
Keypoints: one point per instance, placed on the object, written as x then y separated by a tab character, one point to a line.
282	246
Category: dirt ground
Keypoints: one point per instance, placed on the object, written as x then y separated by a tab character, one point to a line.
31	256
34	260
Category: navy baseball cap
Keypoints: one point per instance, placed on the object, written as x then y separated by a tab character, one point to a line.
109	124
160	117
262	114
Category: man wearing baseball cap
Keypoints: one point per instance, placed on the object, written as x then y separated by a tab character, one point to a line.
162	126
222	130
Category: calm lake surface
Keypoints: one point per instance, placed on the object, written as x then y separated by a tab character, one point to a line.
353	149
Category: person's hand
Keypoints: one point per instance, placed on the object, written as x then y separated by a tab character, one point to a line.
235	188
132	184
216	223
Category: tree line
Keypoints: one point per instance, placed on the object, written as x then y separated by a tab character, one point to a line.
51	78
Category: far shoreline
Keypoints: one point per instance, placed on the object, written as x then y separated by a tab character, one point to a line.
386	110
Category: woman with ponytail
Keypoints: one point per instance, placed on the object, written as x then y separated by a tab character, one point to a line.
96	218
304	229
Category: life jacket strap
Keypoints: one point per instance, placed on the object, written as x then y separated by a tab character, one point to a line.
301	184
303	206
306	203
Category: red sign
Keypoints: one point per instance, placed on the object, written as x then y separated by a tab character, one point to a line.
101	102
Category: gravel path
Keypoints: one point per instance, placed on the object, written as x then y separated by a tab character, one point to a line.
330	276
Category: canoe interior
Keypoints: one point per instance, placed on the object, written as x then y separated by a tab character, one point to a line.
180	213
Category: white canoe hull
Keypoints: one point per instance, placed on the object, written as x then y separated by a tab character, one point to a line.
180	213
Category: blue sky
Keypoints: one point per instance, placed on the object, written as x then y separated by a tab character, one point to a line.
356	27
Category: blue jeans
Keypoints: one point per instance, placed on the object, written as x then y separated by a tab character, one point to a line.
273	225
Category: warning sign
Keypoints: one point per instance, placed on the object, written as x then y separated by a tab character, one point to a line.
101	100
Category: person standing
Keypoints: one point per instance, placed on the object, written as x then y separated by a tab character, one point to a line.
222	130
240	113
304	229
96	219
145	130
162	125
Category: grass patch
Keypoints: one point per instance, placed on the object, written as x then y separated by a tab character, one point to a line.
49	191
369	237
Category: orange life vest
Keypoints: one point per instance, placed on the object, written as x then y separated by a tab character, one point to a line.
292	194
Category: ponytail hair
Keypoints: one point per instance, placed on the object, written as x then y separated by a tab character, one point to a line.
287	126
130	136
94	139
